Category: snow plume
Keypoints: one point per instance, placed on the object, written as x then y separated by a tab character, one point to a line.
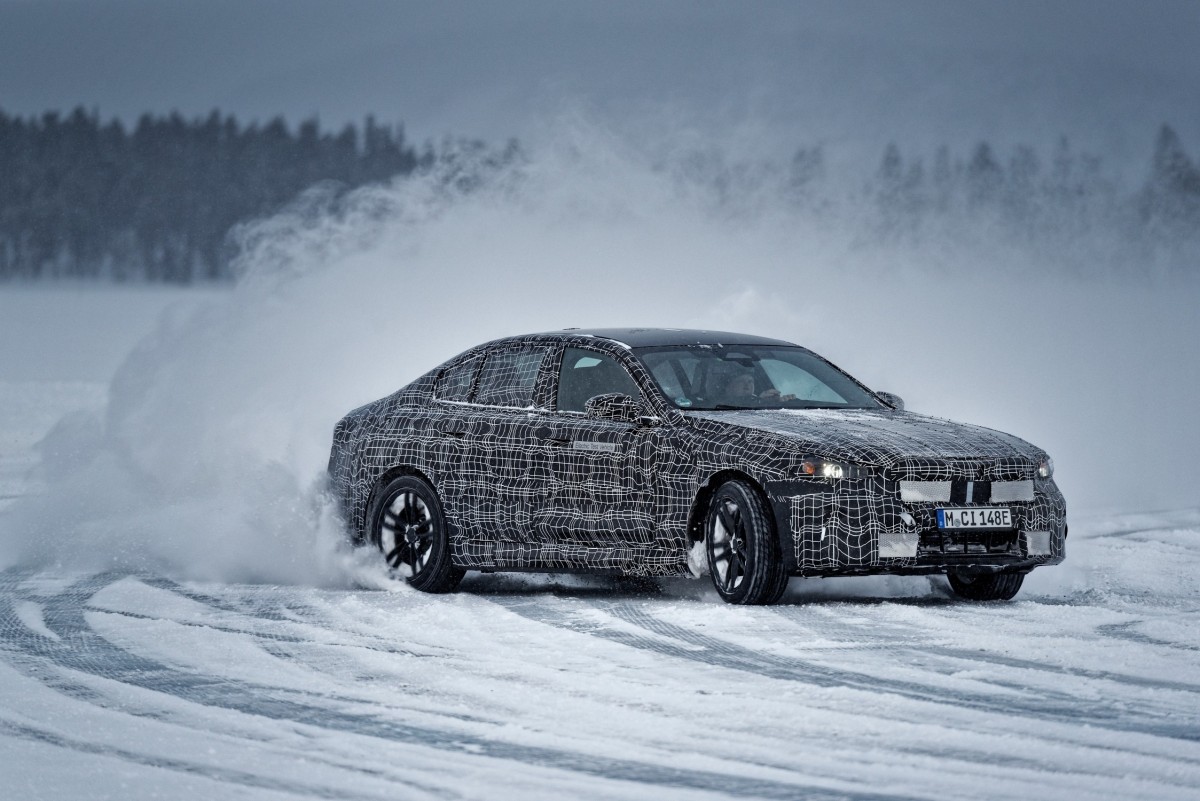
209	460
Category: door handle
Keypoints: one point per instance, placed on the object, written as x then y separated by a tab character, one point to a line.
452	431
547	434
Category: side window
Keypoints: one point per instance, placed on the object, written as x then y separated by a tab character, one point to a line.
455	383
509	377
585	374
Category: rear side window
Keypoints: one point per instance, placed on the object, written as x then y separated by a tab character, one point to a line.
456	383
509	377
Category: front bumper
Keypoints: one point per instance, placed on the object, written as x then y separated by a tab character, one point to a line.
861	526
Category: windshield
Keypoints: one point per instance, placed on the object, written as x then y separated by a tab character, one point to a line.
716	377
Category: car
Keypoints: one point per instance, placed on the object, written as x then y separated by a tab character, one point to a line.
666	452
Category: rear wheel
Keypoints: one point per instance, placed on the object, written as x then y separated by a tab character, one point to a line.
408	528
986	586
743	551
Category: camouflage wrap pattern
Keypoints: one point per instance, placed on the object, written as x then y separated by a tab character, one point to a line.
525	486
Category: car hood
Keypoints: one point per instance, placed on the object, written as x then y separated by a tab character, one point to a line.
881	438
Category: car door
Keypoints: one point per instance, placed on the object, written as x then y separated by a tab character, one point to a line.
492	445
454	426
602	482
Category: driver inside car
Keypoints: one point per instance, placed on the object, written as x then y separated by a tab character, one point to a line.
739	391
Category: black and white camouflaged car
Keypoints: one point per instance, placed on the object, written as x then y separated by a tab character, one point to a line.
660	452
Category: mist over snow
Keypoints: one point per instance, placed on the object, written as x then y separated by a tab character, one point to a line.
208	461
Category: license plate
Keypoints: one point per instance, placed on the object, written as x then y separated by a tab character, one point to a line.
987	517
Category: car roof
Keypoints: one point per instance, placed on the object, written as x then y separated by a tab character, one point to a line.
651	337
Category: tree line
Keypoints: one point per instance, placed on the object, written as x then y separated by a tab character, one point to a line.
1065	195
92	200
1065	204
84	199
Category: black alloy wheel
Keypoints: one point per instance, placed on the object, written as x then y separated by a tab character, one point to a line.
408	528
986	586
743	551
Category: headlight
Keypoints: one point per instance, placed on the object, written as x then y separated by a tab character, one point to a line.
824	468
1045	468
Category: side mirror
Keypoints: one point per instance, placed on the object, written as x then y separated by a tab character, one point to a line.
613	406
895	401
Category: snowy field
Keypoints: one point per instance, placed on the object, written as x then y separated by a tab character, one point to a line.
133	680
136	686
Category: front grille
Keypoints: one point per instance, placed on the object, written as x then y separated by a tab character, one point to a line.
968	543
1012	491
959	491
925	491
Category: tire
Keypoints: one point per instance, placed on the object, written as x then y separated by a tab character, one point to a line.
743	551
986	586
406	525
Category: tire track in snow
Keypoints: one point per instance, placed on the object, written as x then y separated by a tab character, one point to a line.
82	649
213	772
682	643
1123	631
872	634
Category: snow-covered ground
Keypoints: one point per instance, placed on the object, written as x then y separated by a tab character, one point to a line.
180	617
134	682
115	685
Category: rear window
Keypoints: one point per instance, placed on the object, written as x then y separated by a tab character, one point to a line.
509	377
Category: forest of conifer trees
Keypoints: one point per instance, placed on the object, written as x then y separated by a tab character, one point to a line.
1064	196
82	199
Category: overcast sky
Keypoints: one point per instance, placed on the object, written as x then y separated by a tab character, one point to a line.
1107	73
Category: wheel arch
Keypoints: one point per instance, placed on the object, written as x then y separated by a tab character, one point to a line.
695	528
381	481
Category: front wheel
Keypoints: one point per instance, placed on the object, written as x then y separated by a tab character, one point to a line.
986	586
743	551
407	526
